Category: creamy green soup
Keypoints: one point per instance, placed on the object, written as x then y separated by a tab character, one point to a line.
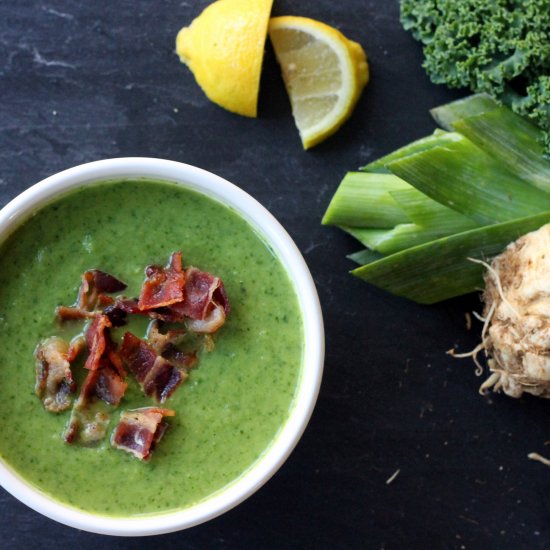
233	404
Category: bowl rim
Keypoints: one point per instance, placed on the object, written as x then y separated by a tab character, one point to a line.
35	197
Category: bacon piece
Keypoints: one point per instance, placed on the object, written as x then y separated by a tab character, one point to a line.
161	340
163	285
91	296
94	283
105	383
201	289
86	425
96	339
109	386
157	376
76	347
54	380
164	344
119	310
213	320
162	380
204	301
140	430
137	355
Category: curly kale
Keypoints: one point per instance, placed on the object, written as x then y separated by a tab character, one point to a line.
501	47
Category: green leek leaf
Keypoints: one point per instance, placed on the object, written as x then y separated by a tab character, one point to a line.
446	115
463	177
438	138
365	256
440	269
364	200
512	140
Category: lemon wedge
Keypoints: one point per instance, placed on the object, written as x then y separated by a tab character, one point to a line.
224	49
324	74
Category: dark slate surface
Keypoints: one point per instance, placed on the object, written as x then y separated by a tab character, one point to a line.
81	81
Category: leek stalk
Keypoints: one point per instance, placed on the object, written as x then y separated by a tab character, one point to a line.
440	269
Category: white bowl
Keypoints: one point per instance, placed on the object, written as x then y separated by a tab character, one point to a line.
200	180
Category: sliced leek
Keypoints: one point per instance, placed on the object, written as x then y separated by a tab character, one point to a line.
440	269
463	177
364	200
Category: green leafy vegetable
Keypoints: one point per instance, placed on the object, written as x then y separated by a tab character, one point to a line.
440	269
501	47
422	210
365	200
463	177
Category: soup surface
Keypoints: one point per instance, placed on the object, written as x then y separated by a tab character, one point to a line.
232	405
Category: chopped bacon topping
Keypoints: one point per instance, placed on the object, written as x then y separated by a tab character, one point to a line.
161	340
54	380
213	320
105	383
96	339
163	285
86	426
157	376
94	284
169	294
65	313
201	289
140	430
91	296
165	344
76	347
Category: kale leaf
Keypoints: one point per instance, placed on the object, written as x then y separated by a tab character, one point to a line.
501	47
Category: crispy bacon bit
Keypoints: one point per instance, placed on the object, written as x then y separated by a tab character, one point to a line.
201	289
91	296
138	356
64	313
140	430
213	320
204	301
157	376
105	383
96	339
94	284
105	282
162	380
87	426
163	285
161	340
76	347
54	380
164	344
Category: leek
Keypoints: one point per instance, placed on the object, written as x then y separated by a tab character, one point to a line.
466	191
464	178
364	200
440	269
364	256
513	141
446	115
438	138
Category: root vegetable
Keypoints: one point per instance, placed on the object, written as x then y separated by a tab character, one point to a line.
516	334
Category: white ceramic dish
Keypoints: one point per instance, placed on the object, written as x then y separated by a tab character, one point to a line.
200	180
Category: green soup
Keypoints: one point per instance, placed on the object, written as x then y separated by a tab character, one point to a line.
232	406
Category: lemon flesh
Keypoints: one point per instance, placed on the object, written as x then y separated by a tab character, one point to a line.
224	47
323	71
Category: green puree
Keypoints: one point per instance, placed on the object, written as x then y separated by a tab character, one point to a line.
233	404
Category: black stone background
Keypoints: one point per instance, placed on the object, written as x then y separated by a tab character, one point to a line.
81	81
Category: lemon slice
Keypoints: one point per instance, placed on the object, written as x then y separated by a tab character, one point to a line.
224	49
323	71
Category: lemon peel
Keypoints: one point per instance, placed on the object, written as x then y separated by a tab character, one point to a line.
324	74
223	47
